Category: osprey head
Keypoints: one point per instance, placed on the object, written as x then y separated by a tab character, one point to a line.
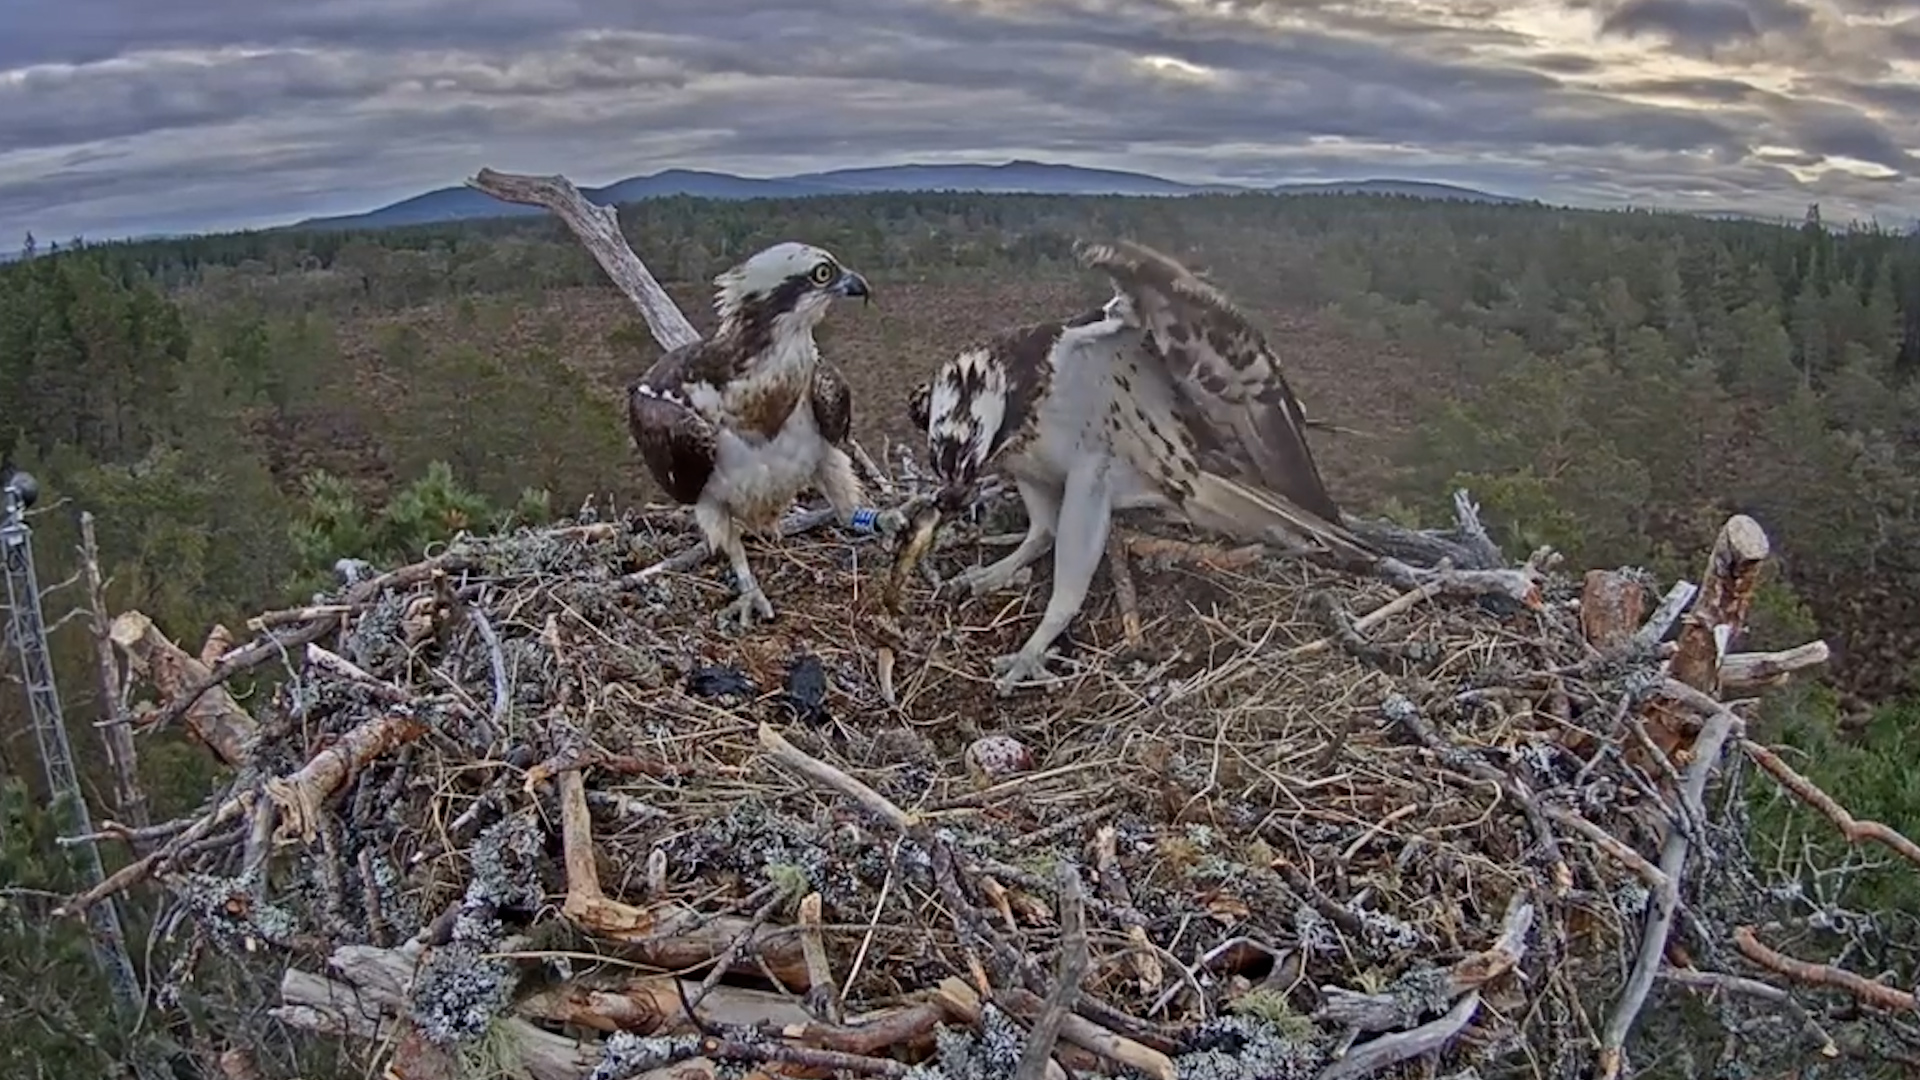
789	279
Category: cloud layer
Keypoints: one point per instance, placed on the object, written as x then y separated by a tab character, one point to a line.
121	117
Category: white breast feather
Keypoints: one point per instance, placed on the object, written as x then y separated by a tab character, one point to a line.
756	479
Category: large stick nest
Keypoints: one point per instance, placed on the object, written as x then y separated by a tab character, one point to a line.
536	816
543	794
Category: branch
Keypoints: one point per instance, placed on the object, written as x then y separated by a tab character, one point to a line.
115	730
298	797
1666	614
1389	1050
1666	897
1407	999
1853	830
1712	981
1732	574
1743	673
1720	612
1466	546
1866	991
597	227
210	712
833	779
370	1005
669	935
1072	968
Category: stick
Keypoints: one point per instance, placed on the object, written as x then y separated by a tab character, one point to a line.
1155	550
829	777
1866	991
1743	673
298	797
1735	984
144	867
1665	615
1607	842
667	935
1653	941
215	718
822	996
1388	1050
1072	968
1123	592
1469	974
129	797
271	646
1853	830
598	228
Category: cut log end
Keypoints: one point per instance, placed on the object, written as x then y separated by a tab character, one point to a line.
1612	605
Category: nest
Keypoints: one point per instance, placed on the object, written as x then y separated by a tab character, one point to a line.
525	800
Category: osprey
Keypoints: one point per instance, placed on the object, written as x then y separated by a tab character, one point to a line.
737	424
1165	398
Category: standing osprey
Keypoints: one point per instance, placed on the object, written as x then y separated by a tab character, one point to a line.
739	423
1164	398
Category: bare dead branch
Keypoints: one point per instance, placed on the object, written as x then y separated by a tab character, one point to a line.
129	797
598	228
215	718
1386	1051
1732	574
1744	673
1866	991
1666	897
1072	968
1852	829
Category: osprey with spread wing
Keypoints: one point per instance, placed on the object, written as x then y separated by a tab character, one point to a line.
739	423
1166	398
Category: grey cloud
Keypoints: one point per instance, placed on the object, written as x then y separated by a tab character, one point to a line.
330	107
1842	131
1717	91
1706	23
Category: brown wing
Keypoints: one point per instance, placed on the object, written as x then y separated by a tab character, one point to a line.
1235	392
832	403
676	443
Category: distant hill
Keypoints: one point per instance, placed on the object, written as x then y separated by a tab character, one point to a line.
1013	177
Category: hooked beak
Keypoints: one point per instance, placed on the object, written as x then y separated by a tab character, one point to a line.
852	284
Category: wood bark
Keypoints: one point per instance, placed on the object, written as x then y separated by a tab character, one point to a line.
1719	615
1726	595
299	797
214	718
1612	606
598	229
665	935
116	730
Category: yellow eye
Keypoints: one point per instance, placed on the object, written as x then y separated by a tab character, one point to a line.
823	274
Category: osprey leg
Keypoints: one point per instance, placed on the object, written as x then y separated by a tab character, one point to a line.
1043	516
1086	514
837	480
723	535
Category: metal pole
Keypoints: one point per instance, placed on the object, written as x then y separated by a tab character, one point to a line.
29	633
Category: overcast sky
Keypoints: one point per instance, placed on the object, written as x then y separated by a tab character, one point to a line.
120	117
